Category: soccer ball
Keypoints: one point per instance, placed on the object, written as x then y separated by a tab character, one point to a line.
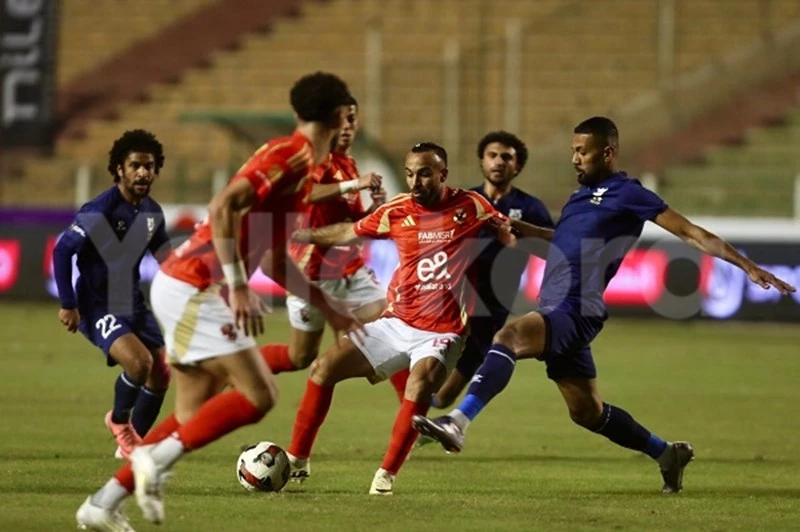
263	467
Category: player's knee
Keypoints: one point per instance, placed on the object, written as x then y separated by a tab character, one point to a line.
322	371
508	336
425	378
305	358
265	397
138	368
159	374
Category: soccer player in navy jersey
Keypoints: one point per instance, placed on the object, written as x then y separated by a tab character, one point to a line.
598	225
498	268
110	235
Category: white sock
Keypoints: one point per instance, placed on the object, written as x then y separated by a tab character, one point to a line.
111	495
460	419
166	452
295	461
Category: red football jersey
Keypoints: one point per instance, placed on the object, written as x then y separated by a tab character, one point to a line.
278	171
341	261
429	290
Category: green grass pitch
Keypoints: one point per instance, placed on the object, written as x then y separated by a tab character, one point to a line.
731	389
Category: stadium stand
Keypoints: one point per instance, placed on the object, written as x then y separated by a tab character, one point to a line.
567	73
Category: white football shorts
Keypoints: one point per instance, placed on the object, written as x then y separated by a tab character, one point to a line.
358	290
391	344
198	324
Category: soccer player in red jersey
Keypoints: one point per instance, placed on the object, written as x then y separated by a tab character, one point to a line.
429	302
339	271
210	341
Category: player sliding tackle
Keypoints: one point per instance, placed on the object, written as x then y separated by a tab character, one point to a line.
429	301
598	225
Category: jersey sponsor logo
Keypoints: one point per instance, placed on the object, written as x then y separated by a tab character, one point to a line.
597	195
408	222
433	274
515	214
429	237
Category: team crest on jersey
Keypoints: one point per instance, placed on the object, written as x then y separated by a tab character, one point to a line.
228	331
151	226
597	195
460	216
515	214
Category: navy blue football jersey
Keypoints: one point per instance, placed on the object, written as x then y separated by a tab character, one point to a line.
110	237
598	226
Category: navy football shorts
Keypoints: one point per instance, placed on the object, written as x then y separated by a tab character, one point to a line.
103	328
567	342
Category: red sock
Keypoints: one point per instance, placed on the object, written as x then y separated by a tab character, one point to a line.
160	432
399	380
403	435
277	358
218	416
312	412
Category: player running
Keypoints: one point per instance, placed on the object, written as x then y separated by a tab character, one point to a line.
429	302
502	157
339	271
110	236
598	225
210	341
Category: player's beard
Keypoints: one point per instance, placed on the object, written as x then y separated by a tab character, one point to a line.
140	189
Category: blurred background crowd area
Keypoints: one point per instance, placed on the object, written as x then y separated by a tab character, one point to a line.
706	92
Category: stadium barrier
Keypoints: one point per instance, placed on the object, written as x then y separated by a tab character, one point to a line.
660	276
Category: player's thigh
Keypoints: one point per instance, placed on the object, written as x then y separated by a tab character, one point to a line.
343	360
370	311
432	357
247	372
128	351
193	387
364	295
527	336
582	398
304	346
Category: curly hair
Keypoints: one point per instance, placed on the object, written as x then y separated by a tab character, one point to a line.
136	140
507	139
315	97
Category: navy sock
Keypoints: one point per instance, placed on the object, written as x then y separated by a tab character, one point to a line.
490	379
146	410
126	390
618	426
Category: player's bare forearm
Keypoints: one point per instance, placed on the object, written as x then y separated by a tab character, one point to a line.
526	230
225	213
324	192
339	234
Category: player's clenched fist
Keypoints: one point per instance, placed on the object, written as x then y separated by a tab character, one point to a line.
69	317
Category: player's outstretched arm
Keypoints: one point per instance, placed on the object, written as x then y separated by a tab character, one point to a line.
340	234
225	214
524	236
321	192
707	242
68	245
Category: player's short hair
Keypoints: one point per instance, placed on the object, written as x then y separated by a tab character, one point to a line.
507	139
423	147
352	101
599	126
316	96
135	140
